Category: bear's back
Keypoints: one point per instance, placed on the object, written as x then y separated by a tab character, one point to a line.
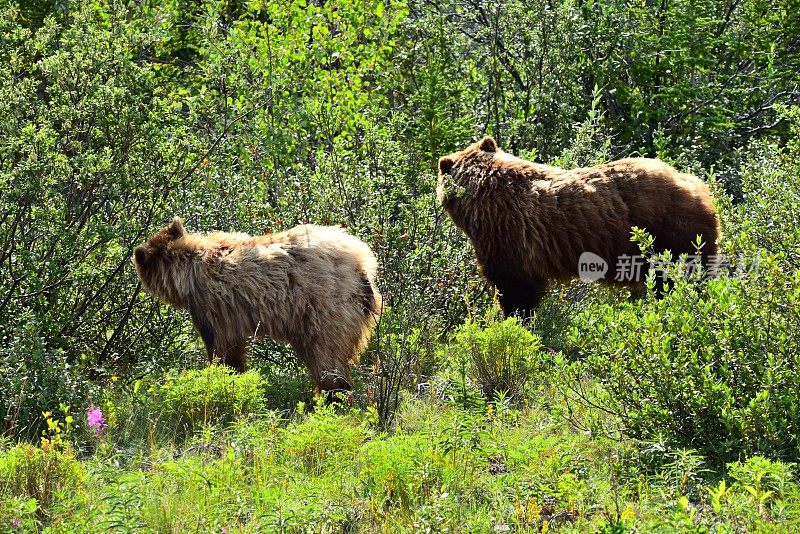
315	243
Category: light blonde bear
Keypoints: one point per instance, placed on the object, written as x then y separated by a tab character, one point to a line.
311	286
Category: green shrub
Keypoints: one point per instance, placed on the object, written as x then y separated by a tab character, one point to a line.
762	475
86	149
214	395
714	366
761	489
287	380
500	356
324	441
40	473
768	217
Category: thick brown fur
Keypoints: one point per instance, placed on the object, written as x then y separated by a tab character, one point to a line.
530	223
310	286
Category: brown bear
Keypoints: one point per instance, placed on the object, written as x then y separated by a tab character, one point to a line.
311	286
532	223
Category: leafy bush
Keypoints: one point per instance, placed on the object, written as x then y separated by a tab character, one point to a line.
759	475
88	160
287	384
714	366
40	473
768	216
501	356
214	395
674	70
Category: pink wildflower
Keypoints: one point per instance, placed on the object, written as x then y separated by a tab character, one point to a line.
16	523
95	419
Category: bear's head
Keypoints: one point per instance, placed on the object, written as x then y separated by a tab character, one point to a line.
157	259
461	174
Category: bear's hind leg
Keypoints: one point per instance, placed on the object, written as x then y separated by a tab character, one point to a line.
325	368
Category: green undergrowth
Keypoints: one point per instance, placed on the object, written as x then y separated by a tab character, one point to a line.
603	413
500	467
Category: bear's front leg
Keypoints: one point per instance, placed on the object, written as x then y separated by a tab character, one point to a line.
203	326
520	296
233	355
519	293
230	352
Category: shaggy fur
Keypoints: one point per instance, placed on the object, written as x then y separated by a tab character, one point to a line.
529	223
311	286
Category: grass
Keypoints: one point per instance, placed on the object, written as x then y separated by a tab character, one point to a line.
442	469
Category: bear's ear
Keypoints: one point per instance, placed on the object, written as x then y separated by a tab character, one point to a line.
175	229
445	164
140	256
488	144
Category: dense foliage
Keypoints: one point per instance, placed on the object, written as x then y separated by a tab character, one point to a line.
715	365
256	116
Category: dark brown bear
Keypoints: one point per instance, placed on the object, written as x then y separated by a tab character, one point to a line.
532	223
